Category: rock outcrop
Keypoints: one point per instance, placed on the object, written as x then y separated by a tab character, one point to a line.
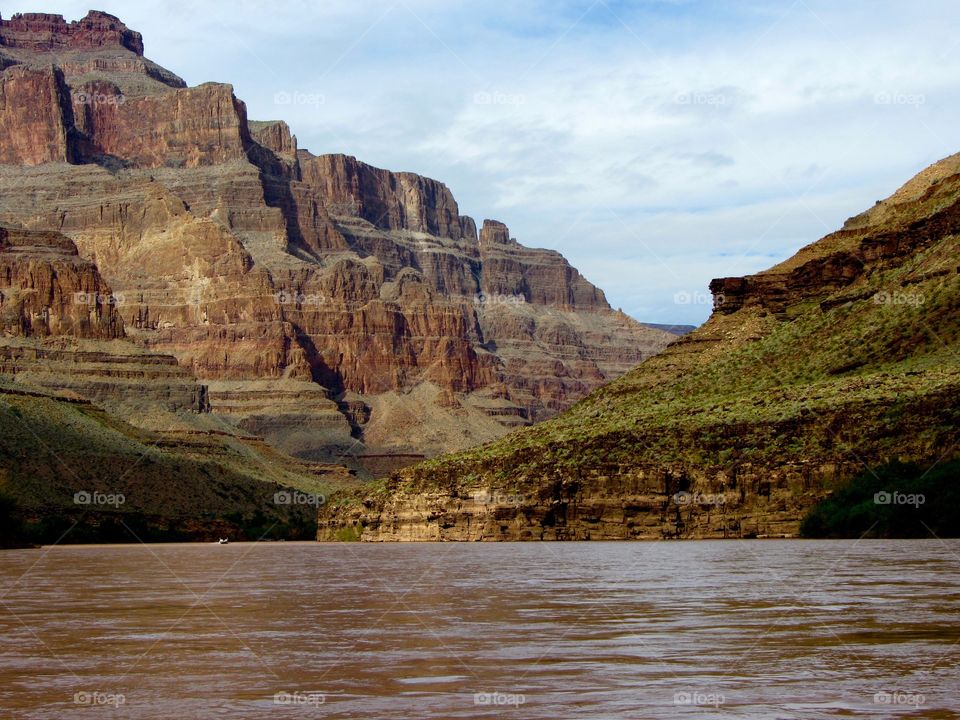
387	200
98	46
205	125
47	289
541	277
41	32
35	119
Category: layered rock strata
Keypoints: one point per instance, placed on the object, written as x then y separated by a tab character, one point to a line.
263	267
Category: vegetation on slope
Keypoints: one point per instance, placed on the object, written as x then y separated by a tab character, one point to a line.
900	500
73	472
814	386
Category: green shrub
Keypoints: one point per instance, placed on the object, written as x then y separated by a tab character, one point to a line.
351	533
11	523
899	500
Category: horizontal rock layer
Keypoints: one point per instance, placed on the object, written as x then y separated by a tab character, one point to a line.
387	200
47	289
41	32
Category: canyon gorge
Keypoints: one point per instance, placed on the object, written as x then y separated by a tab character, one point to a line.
196	274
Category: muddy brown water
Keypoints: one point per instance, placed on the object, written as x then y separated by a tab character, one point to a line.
725	629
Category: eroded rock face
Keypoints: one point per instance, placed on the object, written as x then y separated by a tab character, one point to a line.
62	331
252	261
35	117
387	200
541	277
205	125
41	32
47	289
641	504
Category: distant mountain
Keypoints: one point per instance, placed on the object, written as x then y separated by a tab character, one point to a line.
673	329
840	362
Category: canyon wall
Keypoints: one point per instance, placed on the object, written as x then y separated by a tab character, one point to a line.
271	273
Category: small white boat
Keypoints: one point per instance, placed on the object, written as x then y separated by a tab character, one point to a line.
223	541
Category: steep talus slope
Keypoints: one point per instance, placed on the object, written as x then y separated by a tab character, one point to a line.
841	359
269	272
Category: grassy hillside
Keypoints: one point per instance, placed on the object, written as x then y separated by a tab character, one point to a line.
56	454
862	363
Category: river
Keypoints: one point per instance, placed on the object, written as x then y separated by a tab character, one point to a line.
725	629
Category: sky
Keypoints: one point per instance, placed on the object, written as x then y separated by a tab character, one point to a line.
656	143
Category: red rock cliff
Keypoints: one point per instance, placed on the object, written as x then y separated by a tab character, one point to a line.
46	289
41	32
35	117
388	200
